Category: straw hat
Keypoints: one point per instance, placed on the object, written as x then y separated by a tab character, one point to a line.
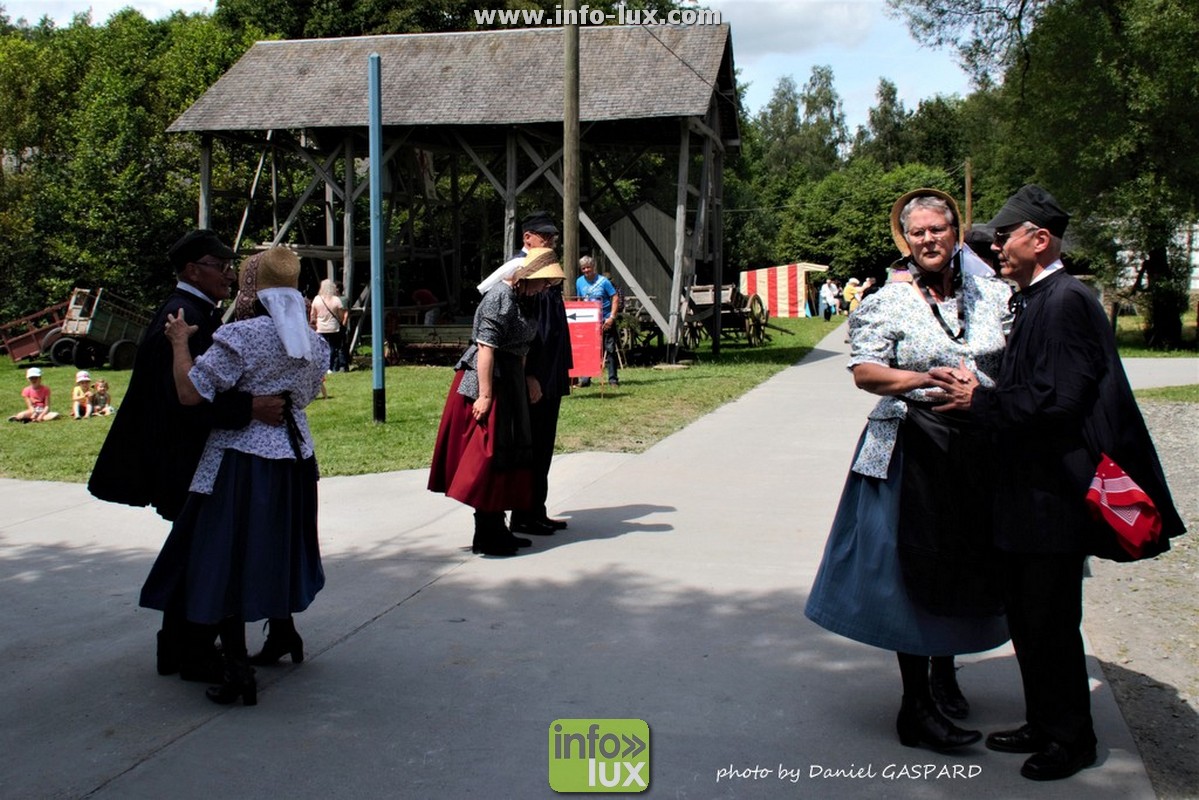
540	262
897	208
278	268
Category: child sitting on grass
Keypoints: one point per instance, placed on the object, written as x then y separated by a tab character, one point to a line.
102	399
37	400
81	395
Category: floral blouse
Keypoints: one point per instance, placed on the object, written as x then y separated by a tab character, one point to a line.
895	327
499	324
249	356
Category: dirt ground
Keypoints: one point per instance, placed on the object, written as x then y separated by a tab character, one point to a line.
1142	621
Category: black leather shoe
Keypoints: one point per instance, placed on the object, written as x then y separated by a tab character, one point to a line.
1057	761
556	524
531	527
1025	739
920	723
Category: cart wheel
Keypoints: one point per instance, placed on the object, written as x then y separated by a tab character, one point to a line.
87	355
122	354
52	336
62	352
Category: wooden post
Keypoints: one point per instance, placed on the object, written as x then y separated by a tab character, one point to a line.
680	243
509	200
570	149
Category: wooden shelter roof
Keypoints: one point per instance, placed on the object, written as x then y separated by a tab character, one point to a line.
473	79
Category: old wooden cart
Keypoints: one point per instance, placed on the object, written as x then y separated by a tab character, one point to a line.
33	335
98	327
740	315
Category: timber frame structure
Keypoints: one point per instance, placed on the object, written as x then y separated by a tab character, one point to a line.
487	102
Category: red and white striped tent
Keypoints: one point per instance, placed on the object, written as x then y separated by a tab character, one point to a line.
785	290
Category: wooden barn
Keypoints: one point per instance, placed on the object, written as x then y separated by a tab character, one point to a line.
472	128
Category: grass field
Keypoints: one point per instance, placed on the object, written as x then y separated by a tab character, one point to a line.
648	405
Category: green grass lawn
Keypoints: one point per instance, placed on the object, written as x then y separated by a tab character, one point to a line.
1130	337
648	405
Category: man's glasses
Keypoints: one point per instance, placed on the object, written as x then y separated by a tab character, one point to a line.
1003	237
217	264
932	230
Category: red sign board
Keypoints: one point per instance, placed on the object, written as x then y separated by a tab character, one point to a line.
586	337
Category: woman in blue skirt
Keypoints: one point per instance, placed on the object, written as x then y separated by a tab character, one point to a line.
245	545
906	565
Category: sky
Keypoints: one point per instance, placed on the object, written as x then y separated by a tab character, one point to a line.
858	39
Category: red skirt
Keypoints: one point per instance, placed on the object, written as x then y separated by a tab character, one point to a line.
464	459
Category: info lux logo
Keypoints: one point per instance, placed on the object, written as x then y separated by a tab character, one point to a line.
599	755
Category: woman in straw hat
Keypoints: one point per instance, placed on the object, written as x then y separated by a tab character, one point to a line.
483	455
905	567
253	496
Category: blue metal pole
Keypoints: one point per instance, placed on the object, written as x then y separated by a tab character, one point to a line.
376	177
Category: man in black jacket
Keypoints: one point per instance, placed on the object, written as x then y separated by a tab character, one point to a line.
549	362
1060	400
154	445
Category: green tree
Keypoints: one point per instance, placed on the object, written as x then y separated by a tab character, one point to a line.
823	134
1099	96
844	219
885	137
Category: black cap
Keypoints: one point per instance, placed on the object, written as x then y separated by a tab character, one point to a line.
197	244
539	222
1032	204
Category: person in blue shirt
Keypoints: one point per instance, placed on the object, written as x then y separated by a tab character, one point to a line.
593	286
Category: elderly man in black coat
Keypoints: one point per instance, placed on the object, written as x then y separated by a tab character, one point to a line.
1061	399
155	443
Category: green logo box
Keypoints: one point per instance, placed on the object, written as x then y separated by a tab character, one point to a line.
599	755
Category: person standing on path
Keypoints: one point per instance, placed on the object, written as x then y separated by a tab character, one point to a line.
154	445
1060	399
590	285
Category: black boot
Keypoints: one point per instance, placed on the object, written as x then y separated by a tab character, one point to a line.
943	683
200	660
491	536
239	678
281	639
920	723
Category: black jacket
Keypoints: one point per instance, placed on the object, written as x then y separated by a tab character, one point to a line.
1061	399
155	443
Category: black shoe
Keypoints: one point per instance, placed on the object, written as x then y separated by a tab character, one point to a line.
1025	739
1057	761
948	696
920	723
239	681
556	524
493	549
281	639
492	537
532	528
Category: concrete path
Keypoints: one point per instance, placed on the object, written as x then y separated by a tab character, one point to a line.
675	597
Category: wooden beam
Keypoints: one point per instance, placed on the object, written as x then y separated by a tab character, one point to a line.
604	244
680	242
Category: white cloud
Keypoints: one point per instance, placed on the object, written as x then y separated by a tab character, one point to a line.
795	27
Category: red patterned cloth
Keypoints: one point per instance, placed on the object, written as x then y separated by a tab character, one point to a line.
1116	499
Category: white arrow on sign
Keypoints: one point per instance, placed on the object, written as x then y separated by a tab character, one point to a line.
583	315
